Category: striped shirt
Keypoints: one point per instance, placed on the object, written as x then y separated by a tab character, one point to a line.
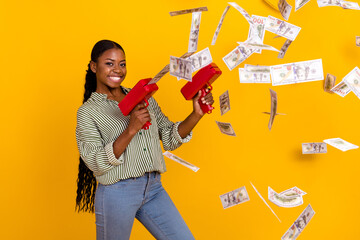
100	122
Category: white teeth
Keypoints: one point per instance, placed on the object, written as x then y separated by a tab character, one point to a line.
115	78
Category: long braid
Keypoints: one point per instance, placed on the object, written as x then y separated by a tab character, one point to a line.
86	182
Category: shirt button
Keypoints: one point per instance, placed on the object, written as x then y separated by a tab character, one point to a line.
140	133
144	149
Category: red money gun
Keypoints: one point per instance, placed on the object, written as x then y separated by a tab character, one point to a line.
141	92
202	80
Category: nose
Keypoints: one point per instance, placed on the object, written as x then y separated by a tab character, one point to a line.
117	69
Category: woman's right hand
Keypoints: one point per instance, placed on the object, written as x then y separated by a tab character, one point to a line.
138	117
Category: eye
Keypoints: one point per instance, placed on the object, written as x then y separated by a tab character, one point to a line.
109	63
123	65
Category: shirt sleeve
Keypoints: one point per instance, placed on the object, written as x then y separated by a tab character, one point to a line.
98	156
168	130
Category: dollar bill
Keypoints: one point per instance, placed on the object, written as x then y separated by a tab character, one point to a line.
257	46
257	30
237	56
158	76
273	108
201	59
325	3
194	31
357	41
284	201
339	3
298	72
340	144
234	197
166	69
352	80
261	197
282	28
285	9
224	102
226	128
219	26
284	48
294	191
329	82
300	3
185	11
253	77
257	68
181	161
242	11
301	222
311	148
180	68
291	234
350	5
341	89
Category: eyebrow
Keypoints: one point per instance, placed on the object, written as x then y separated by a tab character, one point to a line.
114	60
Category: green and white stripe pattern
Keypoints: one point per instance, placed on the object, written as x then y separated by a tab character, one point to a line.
100	122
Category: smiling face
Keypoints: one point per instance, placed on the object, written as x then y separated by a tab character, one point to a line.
110	69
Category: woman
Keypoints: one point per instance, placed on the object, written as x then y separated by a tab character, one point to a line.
125	160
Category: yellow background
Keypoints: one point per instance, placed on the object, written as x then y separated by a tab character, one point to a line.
45	49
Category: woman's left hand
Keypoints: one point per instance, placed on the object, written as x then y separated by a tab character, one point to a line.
207	99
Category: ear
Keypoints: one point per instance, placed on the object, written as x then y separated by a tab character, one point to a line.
93	66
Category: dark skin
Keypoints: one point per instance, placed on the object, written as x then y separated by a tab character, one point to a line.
110	70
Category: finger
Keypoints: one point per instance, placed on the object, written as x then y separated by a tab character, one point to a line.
196	98
139	106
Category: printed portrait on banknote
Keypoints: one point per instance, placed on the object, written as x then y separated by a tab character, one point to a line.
304	218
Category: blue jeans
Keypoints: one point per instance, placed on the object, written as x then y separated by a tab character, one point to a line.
144	198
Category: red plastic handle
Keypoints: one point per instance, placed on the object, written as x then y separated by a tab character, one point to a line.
147	124
204	107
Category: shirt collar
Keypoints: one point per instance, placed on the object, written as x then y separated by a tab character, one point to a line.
102	96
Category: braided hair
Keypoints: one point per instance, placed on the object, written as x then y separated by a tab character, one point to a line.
86	182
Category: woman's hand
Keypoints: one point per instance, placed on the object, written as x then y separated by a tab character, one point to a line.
207	99
138	117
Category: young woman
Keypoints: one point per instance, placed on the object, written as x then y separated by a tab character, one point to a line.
125	160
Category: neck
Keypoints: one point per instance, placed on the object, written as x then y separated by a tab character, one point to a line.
112	93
